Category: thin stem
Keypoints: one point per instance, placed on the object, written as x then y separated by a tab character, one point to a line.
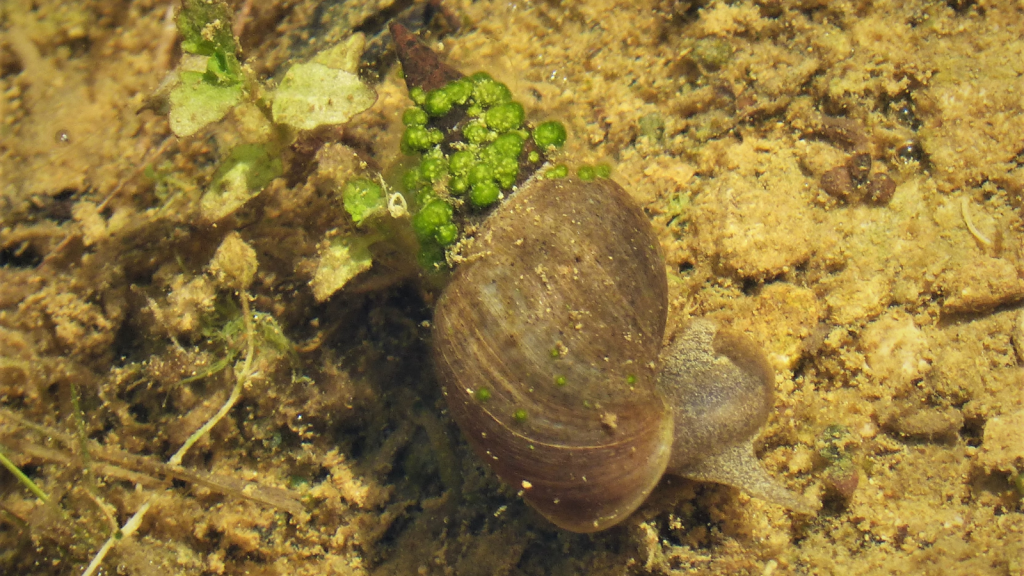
241	380
25	480
87	473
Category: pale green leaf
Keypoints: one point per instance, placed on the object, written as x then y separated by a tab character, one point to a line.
243	175
345	55
344	259
196	103
313	95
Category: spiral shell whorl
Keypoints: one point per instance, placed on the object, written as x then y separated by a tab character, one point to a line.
546	342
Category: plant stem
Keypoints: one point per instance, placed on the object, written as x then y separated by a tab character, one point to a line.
241	380
25	480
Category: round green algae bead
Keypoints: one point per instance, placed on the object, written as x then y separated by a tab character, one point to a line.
560	381
414	116
446	234
603	170
417	95
476	133
557	171
519	415
412	179
480	173
433	169
482	394
586	173
549	134
438	102
425	195
460	162
489	155
510	144
458	185
419	138
489	92
505	117
506	170
434	214
484	194
459	91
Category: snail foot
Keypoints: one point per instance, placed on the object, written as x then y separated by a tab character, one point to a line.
737	466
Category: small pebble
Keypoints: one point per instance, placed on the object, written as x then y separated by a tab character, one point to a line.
881	189
859	167
840	481
837	183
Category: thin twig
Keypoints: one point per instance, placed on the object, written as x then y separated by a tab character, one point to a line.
241	380
129	528
87	463
965	210
165	45
145	471
61	457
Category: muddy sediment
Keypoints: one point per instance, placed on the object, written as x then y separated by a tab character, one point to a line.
840	181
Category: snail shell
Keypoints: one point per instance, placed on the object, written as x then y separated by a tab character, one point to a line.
546	342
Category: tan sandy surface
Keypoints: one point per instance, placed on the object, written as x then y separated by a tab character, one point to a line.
894	325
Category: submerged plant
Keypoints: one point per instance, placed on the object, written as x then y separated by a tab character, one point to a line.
210	82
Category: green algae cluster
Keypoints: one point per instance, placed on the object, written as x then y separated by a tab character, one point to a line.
474	166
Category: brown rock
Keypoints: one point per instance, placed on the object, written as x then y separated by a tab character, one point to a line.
838	183
881	189
859	167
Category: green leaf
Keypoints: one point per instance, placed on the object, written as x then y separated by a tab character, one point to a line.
313	95
363	198
223	69
345	55
196	103
205	27
345	258
241	177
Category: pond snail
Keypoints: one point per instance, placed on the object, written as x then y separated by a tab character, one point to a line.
548	344
547	341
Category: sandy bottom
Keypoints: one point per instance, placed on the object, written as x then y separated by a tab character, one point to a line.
841	181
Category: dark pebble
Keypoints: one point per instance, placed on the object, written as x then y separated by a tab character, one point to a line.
859	166
837	183
881	188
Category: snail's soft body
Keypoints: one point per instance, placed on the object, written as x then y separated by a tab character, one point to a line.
547	343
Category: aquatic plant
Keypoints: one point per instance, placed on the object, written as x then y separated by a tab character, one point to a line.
210	82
